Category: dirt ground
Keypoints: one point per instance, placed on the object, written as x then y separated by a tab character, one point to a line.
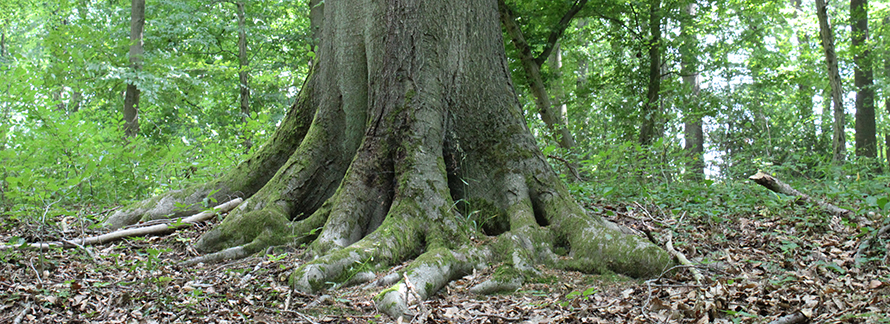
756	269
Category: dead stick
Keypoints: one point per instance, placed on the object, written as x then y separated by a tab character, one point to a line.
683	260
140	231
775	185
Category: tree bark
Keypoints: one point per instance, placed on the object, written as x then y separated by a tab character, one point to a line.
774	185
886	51
651	113
863	80
418	135
131	99
805	91
692	130
243	74
533	77
838	141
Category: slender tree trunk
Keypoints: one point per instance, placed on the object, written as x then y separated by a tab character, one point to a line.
838	141
652	109
886	51
805	90
243	74
692	130
863	80
534	80
131	99
555	62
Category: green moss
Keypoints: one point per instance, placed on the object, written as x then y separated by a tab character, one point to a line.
392	288
506	273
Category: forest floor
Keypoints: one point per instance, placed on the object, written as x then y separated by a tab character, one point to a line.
757	268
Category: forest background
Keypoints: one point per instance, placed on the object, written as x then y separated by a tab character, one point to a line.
668	104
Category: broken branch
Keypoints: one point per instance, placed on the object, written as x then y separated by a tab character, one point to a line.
777	186
140	231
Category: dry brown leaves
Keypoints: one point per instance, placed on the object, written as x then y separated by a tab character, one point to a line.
757	268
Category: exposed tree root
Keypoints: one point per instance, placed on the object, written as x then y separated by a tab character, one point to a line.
419	152
156	229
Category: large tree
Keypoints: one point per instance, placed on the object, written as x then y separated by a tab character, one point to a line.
406	134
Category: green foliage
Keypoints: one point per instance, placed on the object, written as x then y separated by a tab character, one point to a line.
62	72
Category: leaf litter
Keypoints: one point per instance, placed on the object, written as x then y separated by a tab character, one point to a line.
758	269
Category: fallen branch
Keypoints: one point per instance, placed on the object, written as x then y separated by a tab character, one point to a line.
775	185
121	234
683	260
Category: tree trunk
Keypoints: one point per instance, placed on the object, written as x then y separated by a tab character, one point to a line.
651	113
555	62
692	130
805	91
535	82
418	136
131	99
243	74
863	80
886	52
838	141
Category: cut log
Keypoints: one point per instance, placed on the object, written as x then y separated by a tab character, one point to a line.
777	186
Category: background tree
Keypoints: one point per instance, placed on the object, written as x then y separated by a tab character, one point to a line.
693	134
243	73
838	141
131	98
531	65
866	143
651	114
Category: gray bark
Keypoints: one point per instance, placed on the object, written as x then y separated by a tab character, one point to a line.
805	90
692	130
651	113
131	99
838	140
533	76
863	80
417	133
243	73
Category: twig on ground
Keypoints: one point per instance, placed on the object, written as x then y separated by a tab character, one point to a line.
501	317
92	256
18	319
413	291
37	273
307	318
290	295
